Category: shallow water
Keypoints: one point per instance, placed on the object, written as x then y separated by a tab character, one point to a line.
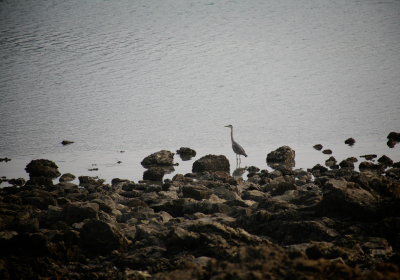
141	76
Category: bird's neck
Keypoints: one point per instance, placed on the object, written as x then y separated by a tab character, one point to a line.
232	135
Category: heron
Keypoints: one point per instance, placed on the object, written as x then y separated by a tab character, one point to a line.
236	147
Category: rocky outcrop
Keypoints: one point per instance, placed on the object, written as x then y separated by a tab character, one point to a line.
162	157
154	174
282	154
42	167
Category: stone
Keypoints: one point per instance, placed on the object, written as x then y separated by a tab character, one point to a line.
394	135
211	163
42	167
282	154
318	147
393	172
154	174
99	237
76	212
350	141
327	151
17	182
196	192
162	157
385	160
186	153
67	177
346	164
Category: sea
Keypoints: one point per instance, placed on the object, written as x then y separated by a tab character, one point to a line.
125	79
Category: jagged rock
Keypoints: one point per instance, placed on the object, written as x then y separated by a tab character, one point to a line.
330	161
318	147
154	174
162	157
39	198
393	172
282	154
369	157
186	153
385	160
369	166
211	163
42	167
99	237
346	164
17	182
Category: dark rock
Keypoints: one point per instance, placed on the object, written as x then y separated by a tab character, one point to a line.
17	182
154	174
350	141
393	172
327	151
346	164
211	163
394	135
330	161
66	142
391	143
67	177
352	159
76	212
162	157
282	154
39	198
318	147
87	181
42	167
99	237
6	159
368	166
369	157
186	153
196	192
385	160
40	182
320	168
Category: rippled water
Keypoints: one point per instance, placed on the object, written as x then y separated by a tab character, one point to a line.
141	76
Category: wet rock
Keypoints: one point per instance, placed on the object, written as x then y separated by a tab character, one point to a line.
352	159
154	174
394	135
88	181
330	161
40	182
319	168
385	160
391	143
39	198
282	154
186	153
67	142
99	237
42	167
327	151
67	177
162	157
318	147
369	166
76	212
211	163
369	157
6	159
350	141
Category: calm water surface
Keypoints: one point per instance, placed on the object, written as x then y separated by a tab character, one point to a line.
141	76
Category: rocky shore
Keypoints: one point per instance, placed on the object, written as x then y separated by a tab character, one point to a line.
327	222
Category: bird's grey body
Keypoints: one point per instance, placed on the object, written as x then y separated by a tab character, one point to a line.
236	147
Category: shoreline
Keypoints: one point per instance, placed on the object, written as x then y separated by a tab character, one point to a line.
193	226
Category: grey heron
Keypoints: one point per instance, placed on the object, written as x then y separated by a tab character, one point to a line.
235	146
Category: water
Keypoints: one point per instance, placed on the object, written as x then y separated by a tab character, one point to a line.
141	76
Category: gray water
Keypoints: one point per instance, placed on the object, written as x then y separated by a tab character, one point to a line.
141	76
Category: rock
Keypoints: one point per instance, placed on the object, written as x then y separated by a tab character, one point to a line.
393	172
352	159
282	154
327	151
391	143
66	142
67	177
17	182
395	136
196	192
318	147
330	161
99	237
42	167
87	181
186	153
319	168
350	141
368	166
162	157
369	157
346	164
76	212
385	160
39	198
154	174
53	214
211	163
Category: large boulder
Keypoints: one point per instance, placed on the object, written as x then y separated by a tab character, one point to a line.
162	157
211	163
42	167
282	154
99	237
394	135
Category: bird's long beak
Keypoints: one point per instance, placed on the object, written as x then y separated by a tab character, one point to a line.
226	126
